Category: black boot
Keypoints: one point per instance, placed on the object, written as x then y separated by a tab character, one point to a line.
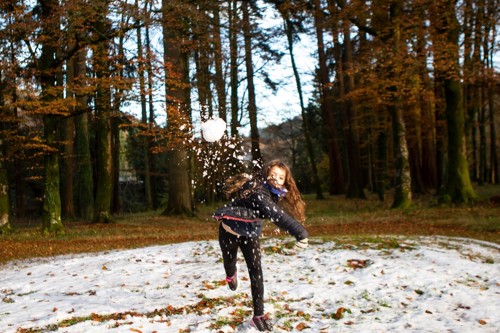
262	323
232	282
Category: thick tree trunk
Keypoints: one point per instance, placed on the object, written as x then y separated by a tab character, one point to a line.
178	117
458	187
52	223
67	130
104	186
252	107
85	182
84	173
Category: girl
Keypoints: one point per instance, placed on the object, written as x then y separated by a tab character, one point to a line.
252	201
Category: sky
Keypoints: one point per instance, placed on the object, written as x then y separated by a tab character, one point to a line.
425	284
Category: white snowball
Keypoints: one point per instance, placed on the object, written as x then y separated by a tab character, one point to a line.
213	129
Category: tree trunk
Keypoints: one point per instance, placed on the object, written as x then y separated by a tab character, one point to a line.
402	194
5	226
337	183
84	173
178	106
305	123
492	86
382	155
144	119
428	127
219	74
152	158
458	188
233	69
104	188
52	223
67	129
495	177
252	107
355	180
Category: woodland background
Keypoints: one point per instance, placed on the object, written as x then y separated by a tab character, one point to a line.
405	99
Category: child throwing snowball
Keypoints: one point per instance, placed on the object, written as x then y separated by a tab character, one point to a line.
254	199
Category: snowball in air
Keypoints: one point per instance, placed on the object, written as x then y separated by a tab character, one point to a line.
213	129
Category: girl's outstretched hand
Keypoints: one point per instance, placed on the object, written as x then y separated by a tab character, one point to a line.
301	245
297	248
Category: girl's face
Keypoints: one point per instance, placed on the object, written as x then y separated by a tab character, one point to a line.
278	175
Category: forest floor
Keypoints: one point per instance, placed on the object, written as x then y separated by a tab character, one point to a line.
334	218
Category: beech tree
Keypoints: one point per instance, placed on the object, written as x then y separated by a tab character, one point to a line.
458	187
175	26
49	15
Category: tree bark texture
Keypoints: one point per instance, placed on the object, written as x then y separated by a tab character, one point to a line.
52	223
178	105
104	185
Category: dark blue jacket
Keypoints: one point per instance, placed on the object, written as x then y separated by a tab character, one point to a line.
245	213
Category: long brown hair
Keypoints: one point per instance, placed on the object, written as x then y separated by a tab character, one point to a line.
292	202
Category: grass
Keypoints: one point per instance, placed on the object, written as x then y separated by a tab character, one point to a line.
334	218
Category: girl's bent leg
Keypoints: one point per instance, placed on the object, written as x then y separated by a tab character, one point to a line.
229	247
250	247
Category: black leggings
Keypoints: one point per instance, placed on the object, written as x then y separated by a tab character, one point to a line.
250	247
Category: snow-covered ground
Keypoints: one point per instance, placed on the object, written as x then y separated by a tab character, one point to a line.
418	285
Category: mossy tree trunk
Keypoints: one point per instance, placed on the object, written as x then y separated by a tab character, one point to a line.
457	187
52	223
4	196
4	182
77	81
